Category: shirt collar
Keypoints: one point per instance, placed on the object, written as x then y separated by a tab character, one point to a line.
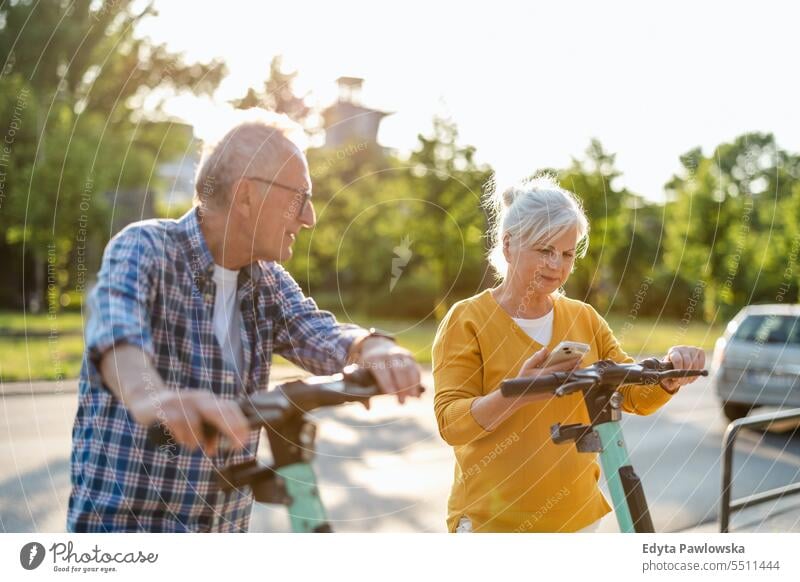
190	235
201	259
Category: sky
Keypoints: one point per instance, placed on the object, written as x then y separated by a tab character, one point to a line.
528	84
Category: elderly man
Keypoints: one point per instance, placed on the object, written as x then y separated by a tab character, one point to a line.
184	319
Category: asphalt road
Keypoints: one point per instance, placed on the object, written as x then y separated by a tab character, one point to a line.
387	470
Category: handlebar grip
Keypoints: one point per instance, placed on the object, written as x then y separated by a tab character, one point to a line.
668	370
159	435
363	377
656	364
357	375
540	385
684	373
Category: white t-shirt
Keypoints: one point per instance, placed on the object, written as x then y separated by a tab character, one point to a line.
228	316
539	329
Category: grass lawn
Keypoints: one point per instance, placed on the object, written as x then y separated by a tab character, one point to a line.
41	356
40	359
645	337
17	322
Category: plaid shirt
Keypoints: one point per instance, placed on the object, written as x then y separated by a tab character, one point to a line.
155	291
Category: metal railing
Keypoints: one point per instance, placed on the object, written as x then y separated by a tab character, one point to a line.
727	506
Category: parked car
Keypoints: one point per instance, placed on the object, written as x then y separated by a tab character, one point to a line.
757	361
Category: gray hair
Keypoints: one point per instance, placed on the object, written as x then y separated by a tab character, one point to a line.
256	145
533	212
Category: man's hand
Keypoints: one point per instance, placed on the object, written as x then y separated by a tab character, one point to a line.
394	368
131	378
185	413
683	358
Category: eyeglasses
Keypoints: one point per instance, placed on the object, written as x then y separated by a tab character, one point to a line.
306	194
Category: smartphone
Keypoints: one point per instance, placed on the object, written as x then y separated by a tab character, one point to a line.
565	351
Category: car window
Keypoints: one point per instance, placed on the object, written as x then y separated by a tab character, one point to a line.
769	329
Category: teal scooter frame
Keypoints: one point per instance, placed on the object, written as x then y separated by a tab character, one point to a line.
599	384
290	480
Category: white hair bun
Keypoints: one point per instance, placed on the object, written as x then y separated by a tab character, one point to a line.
509	195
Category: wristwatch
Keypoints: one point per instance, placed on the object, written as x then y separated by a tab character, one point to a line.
375	332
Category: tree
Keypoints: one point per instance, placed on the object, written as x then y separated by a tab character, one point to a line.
396	236
82	75
597	277
278	95
729	217
451	222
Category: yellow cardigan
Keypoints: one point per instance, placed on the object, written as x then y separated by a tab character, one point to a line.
515	478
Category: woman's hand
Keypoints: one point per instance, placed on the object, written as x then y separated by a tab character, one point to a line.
533	365
532	368
491	410
683	358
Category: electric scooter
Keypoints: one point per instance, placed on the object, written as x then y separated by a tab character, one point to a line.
290	480
600	383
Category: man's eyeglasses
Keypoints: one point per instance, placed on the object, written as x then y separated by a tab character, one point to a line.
306	194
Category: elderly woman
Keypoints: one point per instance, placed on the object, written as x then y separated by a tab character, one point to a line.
509	475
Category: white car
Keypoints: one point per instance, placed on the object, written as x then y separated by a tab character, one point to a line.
757	361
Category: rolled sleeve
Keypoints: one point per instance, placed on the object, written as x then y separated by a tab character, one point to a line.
637	399
120	302
644	400
306	335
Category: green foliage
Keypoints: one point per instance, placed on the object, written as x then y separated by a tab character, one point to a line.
75	79
277	94
700	257
733	224
395	237
596	277
398	236
451	183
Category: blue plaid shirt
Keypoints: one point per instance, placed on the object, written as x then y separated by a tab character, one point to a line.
155	291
